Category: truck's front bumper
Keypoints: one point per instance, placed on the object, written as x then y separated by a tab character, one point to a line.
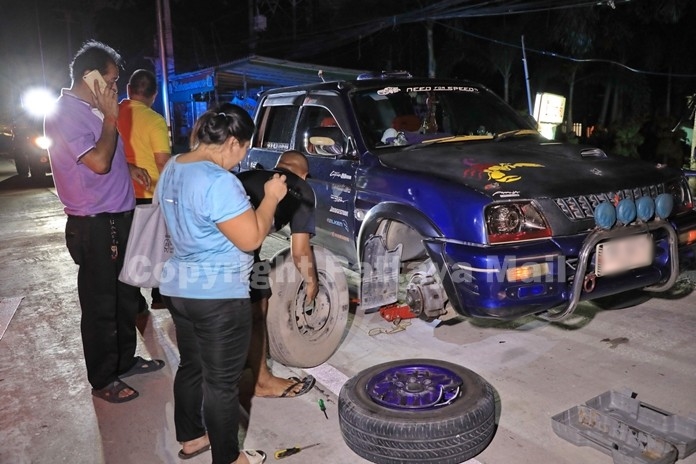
481	280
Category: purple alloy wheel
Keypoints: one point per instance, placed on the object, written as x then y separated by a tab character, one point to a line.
425	411
415	387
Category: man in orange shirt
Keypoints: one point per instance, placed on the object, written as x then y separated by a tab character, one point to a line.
146	142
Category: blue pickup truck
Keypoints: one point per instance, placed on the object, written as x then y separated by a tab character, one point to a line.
450	203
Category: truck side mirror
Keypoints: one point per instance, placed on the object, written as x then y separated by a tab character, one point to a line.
328	141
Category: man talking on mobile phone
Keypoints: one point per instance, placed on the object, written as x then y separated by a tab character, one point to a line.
93	181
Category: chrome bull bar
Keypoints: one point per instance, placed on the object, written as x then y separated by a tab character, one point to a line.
589	246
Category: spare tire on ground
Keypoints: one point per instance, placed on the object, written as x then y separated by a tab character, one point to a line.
417	411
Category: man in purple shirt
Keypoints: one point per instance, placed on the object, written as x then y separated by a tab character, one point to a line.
93	181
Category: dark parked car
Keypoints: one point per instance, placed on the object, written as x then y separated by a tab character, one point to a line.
30	149
5	138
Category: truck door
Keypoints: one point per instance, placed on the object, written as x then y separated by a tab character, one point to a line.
332	171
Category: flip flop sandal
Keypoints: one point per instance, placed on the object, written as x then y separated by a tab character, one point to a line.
202	450
111	392
254	456
307	384
143	366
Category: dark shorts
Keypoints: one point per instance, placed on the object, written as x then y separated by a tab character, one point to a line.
259	285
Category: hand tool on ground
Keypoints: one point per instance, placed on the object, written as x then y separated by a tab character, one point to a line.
284	453
323	408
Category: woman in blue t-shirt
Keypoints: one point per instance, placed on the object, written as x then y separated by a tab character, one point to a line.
205	284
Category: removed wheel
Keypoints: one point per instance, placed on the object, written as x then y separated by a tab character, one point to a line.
299	336
417	411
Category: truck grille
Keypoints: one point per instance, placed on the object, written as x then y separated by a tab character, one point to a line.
582	206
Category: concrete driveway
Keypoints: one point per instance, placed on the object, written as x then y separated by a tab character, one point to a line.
538	369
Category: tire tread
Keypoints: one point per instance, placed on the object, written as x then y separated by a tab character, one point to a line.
384	439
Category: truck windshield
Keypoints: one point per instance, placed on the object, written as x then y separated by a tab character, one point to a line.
407	115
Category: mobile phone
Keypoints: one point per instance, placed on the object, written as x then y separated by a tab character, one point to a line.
92	76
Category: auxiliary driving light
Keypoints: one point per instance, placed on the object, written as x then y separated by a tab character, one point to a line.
663	205
645	208
605	215
626	211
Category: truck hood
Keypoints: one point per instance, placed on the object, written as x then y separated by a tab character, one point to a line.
527	168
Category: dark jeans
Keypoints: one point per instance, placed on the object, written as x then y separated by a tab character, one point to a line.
156	297
213	339
108	305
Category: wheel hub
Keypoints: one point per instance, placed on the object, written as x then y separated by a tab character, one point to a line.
425	295
415	387
311	320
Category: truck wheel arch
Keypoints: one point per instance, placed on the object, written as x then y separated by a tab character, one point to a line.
391	211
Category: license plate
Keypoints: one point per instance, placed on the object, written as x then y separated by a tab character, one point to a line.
623	254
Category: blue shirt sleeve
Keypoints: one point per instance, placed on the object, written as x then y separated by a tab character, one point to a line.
227	198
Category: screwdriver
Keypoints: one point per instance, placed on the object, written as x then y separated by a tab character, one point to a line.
323	408
284	453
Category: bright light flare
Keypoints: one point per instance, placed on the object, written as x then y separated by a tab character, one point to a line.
42	142
38	102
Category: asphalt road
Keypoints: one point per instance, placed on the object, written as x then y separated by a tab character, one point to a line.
537	369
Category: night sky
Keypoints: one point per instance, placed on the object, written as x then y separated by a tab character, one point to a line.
652	37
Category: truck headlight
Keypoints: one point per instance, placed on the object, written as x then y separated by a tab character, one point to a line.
679	189
509	222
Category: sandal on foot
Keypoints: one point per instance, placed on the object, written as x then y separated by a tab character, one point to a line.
112	392
202	450
143	366
254	456
307	383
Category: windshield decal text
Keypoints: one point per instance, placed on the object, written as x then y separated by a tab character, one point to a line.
442	88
